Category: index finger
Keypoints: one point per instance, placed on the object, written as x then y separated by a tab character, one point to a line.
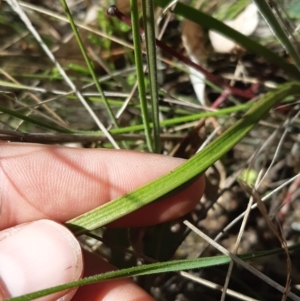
60	183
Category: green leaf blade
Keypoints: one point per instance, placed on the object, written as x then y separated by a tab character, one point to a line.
188	171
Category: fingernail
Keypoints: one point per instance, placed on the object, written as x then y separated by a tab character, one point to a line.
36	256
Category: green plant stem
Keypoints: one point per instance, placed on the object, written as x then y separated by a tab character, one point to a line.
278	31
35	121
129	129
246	94
154	268
148	16
139	71
88	62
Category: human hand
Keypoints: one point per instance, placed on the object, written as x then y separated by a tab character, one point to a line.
41	184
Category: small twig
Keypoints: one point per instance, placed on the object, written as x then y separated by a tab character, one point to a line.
241	262
276	229
288	199
65	138
254	206
286	126
217	287
34	97
238	240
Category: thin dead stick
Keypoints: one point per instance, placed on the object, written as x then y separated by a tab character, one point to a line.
170	6
215	286
16	136
239	238
85	27
127	100
34	97
80	25
17	8
286	125
254	206
275	228
241	262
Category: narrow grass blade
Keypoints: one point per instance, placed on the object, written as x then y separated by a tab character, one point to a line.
148	16
34	121
211	23
154	268
188	171
184	119
15	5
139	70
128	129
88	62
278	31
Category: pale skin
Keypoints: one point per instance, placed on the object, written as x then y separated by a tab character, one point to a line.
57	183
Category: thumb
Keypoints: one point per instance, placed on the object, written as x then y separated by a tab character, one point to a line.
36	256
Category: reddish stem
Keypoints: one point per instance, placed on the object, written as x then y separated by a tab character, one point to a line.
248	94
